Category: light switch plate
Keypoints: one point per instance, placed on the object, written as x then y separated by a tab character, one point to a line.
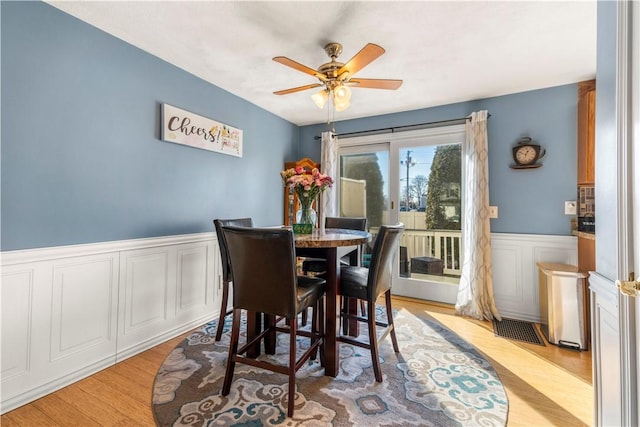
493	212
570	207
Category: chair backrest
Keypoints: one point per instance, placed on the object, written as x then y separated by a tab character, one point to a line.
346	223
383	255
219	223
263	262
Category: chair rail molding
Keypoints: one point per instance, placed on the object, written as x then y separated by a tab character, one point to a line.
130	295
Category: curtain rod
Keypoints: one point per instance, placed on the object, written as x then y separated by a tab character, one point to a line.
405	128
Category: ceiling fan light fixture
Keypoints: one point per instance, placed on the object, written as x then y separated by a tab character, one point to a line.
335	76
342	94
341	105
320	98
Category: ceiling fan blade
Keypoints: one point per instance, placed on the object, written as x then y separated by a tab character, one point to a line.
297	89
366	55
376	83
297	66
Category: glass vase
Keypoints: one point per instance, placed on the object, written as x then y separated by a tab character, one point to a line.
305	217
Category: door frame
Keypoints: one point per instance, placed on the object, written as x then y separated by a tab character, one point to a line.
629	204
395	141
634	142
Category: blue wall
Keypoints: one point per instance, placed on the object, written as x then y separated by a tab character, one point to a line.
529	201
82	160
81	156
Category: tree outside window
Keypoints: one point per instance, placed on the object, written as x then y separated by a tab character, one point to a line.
443	189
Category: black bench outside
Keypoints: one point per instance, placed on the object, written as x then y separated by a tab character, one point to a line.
427	265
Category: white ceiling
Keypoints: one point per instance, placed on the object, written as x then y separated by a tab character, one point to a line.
445	51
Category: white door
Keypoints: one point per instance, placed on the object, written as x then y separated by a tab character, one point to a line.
400	177
616	316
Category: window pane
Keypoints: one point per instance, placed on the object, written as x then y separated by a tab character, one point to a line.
430	208
363	190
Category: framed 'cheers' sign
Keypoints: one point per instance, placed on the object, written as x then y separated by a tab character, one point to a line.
186	128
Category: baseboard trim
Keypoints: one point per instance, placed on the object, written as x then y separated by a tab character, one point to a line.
55	385
157	340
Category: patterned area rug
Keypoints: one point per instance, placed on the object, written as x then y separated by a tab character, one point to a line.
437	379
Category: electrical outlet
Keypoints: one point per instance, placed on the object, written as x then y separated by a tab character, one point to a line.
493	212
570	207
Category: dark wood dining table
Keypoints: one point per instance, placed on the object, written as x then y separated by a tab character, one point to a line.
330	244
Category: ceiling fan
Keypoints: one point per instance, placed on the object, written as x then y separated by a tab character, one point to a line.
337	77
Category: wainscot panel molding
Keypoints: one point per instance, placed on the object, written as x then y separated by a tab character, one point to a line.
515	271
69	312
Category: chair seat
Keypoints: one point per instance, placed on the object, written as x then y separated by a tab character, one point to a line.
309	290
353	282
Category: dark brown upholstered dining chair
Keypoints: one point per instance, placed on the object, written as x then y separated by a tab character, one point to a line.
368	284
263	262
227	276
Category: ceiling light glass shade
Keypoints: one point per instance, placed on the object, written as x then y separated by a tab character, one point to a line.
341	105
342	94
320	98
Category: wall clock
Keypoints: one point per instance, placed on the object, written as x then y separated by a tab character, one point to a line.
526	154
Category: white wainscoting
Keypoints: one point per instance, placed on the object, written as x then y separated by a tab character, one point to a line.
68	312
515	273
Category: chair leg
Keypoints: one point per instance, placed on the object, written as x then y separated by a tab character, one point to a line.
305	315
321	327
394	341
314	328
233	349
292	366
269	321
223	309
344	306
373	341
317	329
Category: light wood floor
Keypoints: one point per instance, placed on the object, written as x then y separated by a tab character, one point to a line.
546	386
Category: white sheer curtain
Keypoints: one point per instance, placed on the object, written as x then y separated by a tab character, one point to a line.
475	293
329	166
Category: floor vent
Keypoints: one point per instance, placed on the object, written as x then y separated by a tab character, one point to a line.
517	330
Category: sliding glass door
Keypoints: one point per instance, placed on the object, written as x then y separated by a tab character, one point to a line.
415	178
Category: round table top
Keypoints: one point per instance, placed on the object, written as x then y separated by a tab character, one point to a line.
331	237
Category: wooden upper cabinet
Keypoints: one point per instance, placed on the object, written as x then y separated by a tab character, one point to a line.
291	204
586	132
